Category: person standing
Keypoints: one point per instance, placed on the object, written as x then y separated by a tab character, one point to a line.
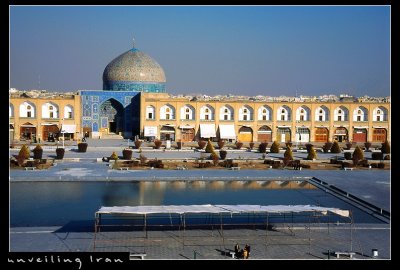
247	249
237	248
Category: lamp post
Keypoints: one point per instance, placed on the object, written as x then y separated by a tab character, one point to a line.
297	132
63	131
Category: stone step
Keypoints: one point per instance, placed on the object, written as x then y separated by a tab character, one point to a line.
111	136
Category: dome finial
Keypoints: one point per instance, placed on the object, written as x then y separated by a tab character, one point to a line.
133	42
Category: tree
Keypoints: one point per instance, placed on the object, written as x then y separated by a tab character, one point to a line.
288	153
385	148
335	148
327	146
275	147
262	147
37	152
221	143
312	154
222	154
209	147
201	144
24	152
357	155
214	158
114	156
239	145
367	145
157	144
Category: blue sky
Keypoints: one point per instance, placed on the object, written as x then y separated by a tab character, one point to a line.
263	50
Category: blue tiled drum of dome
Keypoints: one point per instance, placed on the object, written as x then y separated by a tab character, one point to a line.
134	71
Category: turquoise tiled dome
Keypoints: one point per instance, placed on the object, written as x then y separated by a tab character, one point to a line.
134	71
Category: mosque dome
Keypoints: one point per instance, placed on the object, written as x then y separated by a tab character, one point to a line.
134	71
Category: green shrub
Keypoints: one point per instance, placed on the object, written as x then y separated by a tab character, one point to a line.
275	147
239	145
209	147
214	158
312	154
114	156
367	145
37	152
377	156
138	143
335	148
288	154
308	147
357	155
327	146
221	144
263	147
251	145
201	144
24	152
223	154
157	144
347	155
142	159
385	148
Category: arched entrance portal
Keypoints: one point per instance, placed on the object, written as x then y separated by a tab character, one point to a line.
112	116
264	134
245	134
321	134
341	134
167	133
360	135
379	135
27	131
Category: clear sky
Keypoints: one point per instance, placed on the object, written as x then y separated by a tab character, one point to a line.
264	50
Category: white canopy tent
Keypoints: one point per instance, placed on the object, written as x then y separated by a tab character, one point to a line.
207	131
182	213
209	208
227	132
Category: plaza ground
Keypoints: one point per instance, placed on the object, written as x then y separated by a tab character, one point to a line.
372	186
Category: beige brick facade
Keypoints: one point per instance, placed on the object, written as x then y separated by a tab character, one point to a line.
355	129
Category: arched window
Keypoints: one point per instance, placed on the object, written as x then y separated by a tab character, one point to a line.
207	112
264	113
187	112
322	113
303	114
68	112
360	114
150	112
27	109
245	113
49	110
341	114
226	113
284	113
380	114
167	112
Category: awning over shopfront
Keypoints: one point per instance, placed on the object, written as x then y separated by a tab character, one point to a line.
150	131
68	128
186	127
227	132
207	131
